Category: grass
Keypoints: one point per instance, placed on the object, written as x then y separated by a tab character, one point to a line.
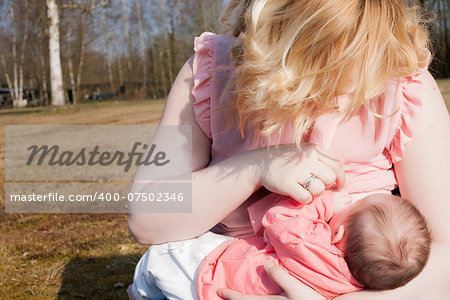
444	86
74	256
69	256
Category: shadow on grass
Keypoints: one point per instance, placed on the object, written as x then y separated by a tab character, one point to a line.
97	277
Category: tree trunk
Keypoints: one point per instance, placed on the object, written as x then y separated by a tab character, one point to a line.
44	80
202	16
22	50
141	39
163	74
153	63
14	53
107	45
42	43
81	53
127	35
33	97
119	62
56	80
166	39
8	78
73	86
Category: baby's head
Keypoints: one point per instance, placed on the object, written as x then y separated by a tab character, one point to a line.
385	239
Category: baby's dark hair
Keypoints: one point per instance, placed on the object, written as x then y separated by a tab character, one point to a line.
387	243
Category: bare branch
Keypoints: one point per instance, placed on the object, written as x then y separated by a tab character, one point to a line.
77	5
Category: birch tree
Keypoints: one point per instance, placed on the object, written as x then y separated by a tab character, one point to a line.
142	46
70	64
6	73
106	38
56	78
166	36
18	26
23	47
86	7
42	45
127	34
14	52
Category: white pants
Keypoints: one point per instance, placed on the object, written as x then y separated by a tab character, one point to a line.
169	270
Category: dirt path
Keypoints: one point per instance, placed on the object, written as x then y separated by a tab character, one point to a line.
111	113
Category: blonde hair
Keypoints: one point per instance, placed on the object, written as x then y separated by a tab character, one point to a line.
295	56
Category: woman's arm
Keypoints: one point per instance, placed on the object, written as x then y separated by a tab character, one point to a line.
424	172
219	189
424	178
209	205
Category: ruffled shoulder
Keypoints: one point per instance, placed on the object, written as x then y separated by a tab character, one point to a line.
203	65
411	97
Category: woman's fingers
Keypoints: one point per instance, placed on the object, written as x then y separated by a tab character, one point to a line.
326	174
288	171
334	164
281	277
313	184
293	287
298	193
233	295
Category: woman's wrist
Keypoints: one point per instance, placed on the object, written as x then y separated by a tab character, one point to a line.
254	160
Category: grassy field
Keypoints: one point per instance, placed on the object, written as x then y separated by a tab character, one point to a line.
74	256
69	256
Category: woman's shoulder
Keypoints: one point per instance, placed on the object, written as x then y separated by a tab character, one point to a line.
214	40
212	54
410	94
215	48
208	34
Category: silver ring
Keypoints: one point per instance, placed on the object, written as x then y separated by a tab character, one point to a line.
308	182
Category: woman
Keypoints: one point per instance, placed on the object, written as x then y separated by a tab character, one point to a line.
223	161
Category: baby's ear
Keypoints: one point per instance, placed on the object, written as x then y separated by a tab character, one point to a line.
337	236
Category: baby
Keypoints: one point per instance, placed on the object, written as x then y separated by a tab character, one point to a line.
378	242
387	241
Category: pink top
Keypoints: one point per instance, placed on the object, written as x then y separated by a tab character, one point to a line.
365	144
297	237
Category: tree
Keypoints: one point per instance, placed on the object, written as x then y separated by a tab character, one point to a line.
106	37
21	24
127	34
56	78
86	7
142	46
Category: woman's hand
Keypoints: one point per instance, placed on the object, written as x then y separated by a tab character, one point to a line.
286	170
294	289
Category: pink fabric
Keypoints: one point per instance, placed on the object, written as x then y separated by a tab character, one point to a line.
367	146
297	237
